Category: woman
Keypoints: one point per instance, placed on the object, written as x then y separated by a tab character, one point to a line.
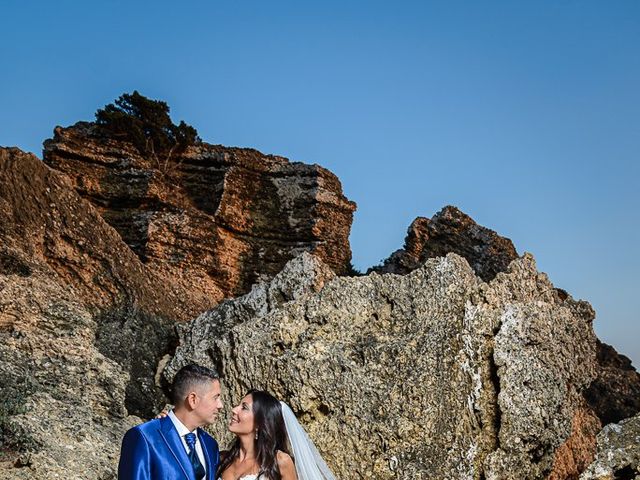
264	427
260	448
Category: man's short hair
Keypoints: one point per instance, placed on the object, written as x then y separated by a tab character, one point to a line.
188	378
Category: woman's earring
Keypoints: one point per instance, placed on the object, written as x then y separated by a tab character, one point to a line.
256	434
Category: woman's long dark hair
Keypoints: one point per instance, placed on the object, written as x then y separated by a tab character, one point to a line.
272	436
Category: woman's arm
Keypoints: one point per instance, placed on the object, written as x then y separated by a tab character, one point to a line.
286	466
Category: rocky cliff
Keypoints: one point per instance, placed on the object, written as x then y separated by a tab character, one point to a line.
612	396
435	374
618	452
90	298
83	325
470	364
214	219
615	393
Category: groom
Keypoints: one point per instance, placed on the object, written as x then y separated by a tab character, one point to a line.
174	447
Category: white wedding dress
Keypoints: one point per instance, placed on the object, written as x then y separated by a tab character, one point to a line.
253	476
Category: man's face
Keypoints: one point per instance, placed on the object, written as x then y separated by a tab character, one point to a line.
208	403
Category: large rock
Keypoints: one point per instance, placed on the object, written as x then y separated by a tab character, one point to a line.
83	325
618	455
216	219
612	396
434	374
451	231
302	275
431	374
86	318
63	402
615	393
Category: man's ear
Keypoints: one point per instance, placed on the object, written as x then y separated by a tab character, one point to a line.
192	400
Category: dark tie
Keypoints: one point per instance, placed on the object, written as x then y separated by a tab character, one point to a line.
193	456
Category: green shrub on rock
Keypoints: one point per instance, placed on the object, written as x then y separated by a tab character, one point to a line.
146	123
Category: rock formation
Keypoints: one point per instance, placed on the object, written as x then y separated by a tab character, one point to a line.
451	231
434	374
469	365
615	393
216	219
618	454
86	317
83	325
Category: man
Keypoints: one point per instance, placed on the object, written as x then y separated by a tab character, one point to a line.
175	447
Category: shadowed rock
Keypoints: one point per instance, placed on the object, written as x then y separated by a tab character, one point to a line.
615	393
451	231
216	219
83	324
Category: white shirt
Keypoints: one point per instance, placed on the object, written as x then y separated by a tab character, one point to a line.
182	431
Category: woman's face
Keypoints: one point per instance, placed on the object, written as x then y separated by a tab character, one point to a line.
242	420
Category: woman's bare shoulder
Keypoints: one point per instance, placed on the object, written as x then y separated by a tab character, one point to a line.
284	459
286	466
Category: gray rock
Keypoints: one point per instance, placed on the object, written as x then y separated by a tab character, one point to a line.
302	275
62	402
615	394
82	326
618	455
433	374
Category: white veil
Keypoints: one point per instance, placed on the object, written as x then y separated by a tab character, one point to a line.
309	463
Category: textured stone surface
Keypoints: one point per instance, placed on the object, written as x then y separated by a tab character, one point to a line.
615	393
433	374
575	454
451	231
618	455
218	219
62	401
301	276
83	324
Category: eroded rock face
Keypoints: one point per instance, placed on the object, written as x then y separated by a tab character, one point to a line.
300	277
63	401
451	231
83	324
618	454
216	220
615	393
434	374
431	374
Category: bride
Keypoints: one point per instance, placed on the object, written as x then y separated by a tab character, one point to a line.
262	426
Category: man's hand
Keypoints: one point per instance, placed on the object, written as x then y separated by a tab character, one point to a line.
165	411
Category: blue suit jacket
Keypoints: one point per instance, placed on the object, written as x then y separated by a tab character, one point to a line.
154	451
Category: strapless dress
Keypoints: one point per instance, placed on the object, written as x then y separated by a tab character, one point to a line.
253	476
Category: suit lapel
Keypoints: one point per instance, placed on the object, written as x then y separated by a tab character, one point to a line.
207	456
171	437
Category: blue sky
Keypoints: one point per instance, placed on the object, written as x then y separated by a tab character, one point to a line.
526	115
